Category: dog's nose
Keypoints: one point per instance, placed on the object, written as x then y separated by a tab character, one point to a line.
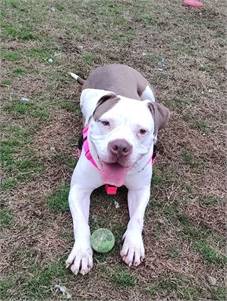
120	148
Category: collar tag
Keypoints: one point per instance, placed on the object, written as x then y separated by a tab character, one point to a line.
110	190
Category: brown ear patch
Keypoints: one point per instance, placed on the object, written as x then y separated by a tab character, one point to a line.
160	114
104	104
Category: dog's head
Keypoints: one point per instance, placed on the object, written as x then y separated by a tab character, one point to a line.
123	130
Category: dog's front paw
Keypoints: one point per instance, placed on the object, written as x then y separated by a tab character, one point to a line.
80	259
132	252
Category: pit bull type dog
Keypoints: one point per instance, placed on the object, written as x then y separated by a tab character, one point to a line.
121	124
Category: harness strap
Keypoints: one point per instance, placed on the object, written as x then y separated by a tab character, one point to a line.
86	147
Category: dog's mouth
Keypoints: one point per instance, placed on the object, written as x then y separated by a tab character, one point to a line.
114	173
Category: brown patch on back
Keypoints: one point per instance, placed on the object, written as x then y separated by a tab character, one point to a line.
104	104
119	79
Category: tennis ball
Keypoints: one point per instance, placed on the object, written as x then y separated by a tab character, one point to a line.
102	240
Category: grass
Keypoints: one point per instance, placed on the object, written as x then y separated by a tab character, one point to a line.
9	55
218	293
180	52
6	285
41	54
6	217
7	184
27	109
174	285
19	71
202	125
88	58
210	254
6	82
123	278
23	33
39	285
17	157
69	106
173	252
191	160
210	201
58	201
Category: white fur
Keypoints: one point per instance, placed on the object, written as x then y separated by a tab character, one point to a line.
126	116
75	76
148	94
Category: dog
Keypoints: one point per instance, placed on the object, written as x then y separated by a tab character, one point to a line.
121	124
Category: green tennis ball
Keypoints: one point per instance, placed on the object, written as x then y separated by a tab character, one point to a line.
102	240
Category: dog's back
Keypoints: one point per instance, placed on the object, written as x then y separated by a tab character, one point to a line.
120	79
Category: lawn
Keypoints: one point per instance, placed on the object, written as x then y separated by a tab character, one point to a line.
181	53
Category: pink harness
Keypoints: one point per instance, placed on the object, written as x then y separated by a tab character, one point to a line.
110	189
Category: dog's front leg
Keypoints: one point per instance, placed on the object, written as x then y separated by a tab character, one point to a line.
132	251
80	258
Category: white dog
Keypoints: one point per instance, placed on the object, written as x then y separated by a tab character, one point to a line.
121	123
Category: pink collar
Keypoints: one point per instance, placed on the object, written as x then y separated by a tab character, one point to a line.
86	147
110	189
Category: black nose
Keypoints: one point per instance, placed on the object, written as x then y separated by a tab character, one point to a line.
120	148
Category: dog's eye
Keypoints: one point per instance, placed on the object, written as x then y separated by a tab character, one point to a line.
142	131
105	122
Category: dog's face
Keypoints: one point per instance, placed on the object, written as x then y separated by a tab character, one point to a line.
123	130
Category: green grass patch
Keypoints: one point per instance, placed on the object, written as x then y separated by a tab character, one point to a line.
40	283
182	288
201	125
59	7
210	254
156	177
23	168
179	103
20	32
191	231
28	165
6	284
6	217
173	252
42	54
35	284
69	106
88	58
6	82
210	201
122	277
7	184
190	160
19	71
27	109
58	201
17	157
65	159
15	4
218	293
196	234
10	55
147	18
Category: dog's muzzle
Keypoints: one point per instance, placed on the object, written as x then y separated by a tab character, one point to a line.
119	151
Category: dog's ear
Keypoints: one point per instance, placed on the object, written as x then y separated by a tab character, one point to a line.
160	114
104	104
